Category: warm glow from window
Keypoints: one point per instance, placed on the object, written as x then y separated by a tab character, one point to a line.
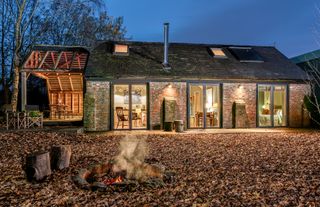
217	52
121	48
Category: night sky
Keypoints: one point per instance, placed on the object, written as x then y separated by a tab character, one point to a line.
288	24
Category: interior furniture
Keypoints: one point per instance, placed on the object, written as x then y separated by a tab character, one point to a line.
121	117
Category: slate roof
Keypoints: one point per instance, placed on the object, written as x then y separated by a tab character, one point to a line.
188	62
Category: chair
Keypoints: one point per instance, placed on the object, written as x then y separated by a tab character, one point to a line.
120	116
199	119
33	116
135	117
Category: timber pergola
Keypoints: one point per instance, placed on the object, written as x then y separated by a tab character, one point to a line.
62	67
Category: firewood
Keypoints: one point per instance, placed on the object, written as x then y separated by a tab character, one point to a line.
38	166
60	156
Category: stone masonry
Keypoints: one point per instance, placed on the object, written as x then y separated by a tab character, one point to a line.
97	106
298	117
160	90
243	93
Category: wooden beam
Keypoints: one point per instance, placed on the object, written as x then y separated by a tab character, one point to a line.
23	90
72	59
66	59
79	64
53	59
25	65
44	59
71	84
40	75
78	102
59	81
58	60
72	103
66	91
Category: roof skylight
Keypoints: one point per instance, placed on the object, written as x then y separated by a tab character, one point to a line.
246	54
121	49
218	53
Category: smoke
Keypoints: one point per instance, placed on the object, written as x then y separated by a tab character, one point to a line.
133	152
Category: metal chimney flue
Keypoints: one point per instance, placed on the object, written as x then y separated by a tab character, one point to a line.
166	46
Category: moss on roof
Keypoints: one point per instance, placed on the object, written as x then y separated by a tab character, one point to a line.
188	62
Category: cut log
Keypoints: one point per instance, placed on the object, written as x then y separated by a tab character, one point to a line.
38	166
60	157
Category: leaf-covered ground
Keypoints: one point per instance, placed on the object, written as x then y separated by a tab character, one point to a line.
261	169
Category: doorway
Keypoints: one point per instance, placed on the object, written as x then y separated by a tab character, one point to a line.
204	106
130	108
272	105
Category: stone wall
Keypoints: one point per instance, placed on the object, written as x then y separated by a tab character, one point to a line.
242	93
298	117
97	106
160	90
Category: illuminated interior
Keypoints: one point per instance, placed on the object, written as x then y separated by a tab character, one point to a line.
118	48
130	106
272	105
201	103
217	52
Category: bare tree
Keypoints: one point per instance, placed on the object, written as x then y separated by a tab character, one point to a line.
6	34
24	23
79	22
312	99
312	68
25	11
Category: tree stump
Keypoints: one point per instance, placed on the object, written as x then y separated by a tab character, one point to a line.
60	157
38	166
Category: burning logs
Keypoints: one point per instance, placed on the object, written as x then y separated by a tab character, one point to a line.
38	166
127	172
102	178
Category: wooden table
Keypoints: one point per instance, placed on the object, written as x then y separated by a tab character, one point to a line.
59	108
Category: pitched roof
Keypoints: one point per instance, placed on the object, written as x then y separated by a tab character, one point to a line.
188	62
306	57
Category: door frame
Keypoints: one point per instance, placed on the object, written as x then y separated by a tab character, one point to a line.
204	96
129	83
272	85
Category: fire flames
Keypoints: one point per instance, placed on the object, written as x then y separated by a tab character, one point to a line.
111	181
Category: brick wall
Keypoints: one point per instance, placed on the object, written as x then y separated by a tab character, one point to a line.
297	116
240	92
159	90
97	106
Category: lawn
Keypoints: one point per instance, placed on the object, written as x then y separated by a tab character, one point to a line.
273	169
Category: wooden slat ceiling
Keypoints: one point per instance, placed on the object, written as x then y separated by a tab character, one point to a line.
62	82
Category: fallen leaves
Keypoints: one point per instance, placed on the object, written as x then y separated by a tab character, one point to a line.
274	169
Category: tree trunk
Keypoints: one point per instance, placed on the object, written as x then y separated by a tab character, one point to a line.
60	157
17	58
38	166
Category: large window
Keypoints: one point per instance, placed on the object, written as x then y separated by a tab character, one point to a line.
204	105
272	105
130	106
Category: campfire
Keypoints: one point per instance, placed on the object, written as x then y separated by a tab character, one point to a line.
128	171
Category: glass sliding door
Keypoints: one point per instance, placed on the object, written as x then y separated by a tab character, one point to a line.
280	105
204	105
212	106
264	105
272	105
139	106
130	106
196	118
121	106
